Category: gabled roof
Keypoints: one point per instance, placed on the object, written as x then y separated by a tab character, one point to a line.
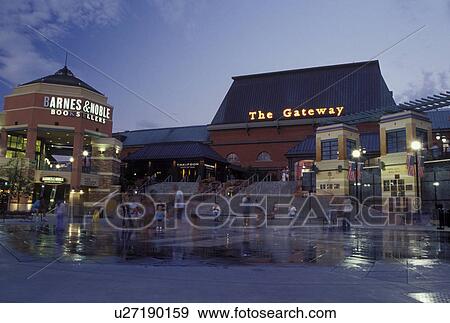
304	147
163	135
176	150
356	86
64	76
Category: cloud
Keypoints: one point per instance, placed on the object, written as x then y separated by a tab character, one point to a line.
180	13
147	124
430	83
20	59
172	11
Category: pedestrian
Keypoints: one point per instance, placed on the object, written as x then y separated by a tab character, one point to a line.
292	211
42	209
216	211
60	214
246	209
35	208
179	202
160	214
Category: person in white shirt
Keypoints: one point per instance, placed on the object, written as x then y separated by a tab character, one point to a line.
292	211
179	203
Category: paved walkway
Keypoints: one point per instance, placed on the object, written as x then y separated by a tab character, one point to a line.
94	264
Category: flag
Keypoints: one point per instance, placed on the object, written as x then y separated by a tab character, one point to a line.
421	166
359	171
410	165
352	171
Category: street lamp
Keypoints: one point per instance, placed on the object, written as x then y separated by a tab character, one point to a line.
356	154
85	155
416	146
435	185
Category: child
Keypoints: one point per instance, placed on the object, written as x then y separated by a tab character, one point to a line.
159	215
216	212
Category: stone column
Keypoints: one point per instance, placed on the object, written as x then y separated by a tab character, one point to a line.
3	142
31	144
77	155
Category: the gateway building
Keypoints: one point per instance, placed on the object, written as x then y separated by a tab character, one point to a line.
335	130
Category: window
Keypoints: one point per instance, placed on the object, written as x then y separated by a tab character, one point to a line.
396	141
351	145
264	156
16	146
233	158
422	136
329	149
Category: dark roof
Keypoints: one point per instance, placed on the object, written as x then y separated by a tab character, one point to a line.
175	150
370	141
440	119
64	76
163	135
356	86
304	147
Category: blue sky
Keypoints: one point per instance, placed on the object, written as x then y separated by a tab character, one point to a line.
181	55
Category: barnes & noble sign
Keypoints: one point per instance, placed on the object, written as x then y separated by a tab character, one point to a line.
78	108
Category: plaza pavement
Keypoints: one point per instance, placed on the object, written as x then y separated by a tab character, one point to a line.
28	277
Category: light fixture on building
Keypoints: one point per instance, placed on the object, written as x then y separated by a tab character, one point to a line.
85	153
438	137
71	159
356	153
435	183
81	192
416	145
58	166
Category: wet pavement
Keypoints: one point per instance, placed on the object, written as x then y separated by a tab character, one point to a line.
315	246
412	263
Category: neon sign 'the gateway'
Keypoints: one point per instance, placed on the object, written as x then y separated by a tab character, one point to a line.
78	108
290	113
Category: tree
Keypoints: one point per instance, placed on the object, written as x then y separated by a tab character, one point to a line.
18	174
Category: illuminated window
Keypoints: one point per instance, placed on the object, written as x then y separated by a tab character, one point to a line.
233	158
329	149
16	146
264	156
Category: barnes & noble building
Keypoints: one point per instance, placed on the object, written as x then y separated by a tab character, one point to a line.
62	128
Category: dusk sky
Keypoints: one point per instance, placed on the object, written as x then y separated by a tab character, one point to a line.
181	55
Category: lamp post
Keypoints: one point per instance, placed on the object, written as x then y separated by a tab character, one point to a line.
85	155
416	146
356	154
435	185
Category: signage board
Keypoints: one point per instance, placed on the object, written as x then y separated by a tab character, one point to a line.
53	180
78	108
297	113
